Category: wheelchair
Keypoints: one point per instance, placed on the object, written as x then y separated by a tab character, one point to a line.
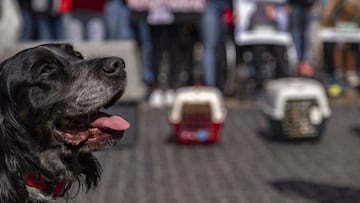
260	49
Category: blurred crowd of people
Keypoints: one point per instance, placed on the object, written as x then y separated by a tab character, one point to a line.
169	30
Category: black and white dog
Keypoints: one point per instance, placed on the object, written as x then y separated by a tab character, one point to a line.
50	98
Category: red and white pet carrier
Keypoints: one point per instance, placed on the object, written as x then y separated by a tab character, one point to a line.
198	114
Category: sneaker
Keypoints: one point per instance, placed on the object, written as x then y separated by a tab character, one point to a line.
304	69
334	90
156	99
169	97
352	79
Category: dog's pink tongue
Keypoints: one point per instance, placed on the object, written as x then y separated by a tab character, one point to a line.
115	123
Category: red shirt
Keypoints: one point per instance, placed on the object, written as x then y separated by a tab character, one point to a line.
65	6
91	5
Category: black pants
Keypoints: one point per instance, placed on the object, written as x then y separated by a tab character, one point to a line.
179	44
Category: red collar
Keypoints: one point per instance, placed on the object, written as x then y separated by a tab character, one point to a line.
56	189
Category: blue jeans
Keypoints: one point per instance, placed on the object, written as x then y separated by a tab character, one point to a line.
300	24
117	20
144	40
211	28
118	25
50	27
27	30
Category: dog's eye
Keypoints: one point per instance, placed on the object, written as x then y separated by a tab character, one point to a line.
47	69
79	55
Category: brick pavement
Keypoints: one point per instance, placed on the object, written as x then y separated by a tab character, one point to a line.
244	167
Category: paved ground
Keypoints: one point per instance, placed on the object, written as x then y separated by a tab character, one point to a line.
244	167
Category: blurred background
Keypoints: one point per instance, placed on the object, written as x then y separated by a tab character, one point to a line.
235	46
232	45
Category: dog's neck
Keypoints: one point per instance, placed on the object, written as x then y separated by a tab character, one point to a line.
48	188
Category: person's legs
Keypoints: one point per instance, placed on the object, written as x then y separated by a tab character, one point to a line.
111	18
305	49
189	44
160	42
295	29
144	38
300	25
50	27
328	50
58	27
85	25
334	88
117	20
210	26
73	27
351	65
28	25
181	54
356	49
44	26
124	26
95	28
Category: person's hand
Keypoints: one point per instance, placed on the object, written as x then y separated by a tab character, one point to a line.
270	11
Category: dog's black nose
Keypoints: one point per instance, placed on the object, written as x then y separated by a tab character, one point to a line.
113	65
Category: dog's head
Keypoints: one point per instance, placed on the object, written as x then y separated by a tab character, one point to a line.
50	97
56	95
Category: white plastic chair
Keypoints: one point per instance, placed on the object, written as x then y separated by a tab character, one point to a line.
245	38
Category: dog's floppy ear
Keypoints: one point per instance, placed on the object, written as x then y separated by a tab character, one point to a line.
7	117
12	189
7	105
